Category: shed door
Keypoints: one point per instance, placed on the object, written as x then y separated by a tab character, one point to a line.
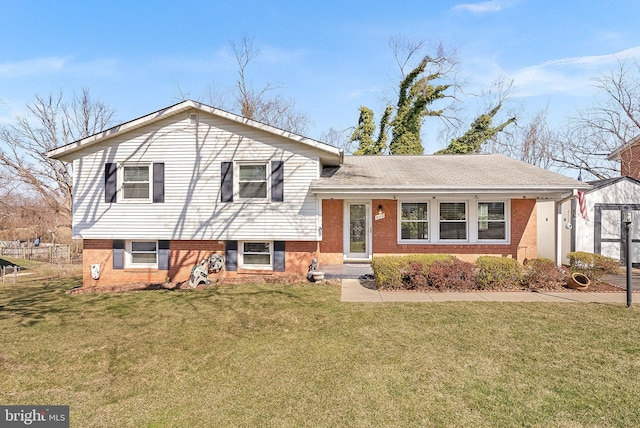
610	232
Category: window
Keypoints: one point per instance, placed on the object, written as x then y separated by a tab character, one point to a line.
252	181
492	221
453	220
135	182
414	221
142	253
256	254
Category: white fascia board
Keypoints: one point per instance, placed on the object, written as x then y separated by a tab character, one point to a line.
364	190
64	153
615	155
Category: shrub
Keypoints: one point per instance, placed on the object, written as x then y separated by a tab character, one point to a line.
594	266
498	273
452	275
414	278
542	274
390	270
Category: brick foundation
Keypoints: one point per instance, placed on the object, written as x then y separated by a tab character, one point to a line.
183	256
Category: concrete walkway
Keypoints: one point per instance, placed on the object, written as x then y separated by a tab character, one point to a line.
354	290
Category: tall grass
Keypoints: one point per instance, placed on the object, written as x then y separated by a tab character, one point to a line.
293	355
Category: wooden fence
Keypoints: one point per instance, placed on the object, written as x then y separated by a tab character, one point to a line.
50	253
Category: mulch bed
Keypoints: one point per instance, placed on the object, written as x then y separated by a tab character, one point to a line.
594	287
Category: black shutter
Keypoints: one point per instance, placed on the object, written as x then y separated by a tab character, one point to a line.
110	182
163	255
278	256
118	254
226	182
158	182
277	181
231	255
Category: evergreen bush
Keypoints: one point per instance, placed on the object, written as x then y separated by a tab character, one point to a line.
496	273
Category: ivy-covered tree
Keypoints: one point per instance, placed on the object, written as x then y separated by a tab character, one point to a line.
479	132
415	96
363	134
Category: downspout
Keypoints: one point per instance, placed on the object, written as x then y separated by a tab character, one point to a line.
559	203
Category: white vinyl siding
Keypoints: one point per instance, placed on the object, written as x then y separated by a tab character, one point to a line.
192	160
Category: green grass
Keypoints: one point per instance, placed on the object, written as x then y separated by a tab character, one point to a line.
293	355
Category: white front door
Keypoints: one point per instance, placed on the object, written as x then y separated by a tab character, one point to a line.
357	239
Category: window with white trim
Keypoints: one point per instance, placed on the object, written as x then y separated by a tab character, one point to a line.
414	221
492	223
252	181
142	254
136	184
256	254
453	221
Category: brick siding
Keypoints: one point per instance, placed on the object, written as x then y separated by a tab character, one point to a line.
331	246
385	234
183	256
630	162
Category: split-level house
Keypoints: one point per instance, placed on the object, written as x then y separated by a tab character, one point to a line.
154	196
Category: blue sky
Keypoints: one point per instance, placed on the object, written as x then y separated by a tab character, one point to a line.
329	57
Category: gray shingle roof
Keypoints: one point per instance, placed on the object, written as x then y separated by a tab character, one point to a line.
439	172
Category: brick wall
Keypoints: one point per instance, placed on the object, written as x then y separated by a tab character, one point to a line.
630	162
331	246
183	255
385	234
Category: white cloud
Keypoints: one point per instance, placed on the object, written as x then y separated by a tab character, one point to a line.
33	66
568	76
55	65
482	7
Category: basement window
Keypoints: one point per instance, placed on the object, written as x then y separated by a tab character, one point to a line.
256	255
142	254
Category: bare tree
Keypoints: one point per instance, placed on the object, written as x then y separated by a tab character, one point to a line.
262	104
49	123
531	142
608	124
338	138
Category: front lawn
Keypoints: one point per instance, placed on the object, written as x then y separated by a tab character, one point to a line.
293	355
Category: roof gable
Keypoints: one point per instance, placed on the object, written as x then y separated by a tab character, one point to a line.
600	184
331	155
615	155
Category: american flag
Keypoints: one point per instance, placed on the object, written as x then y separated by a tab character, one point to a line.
582	202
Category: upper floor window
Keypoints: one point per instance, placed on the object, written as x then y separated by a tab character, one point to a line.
252	181
453	220
492	224
414	221
135	182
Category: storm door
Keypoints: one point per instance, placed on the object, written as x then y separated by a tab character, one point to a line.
358	231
